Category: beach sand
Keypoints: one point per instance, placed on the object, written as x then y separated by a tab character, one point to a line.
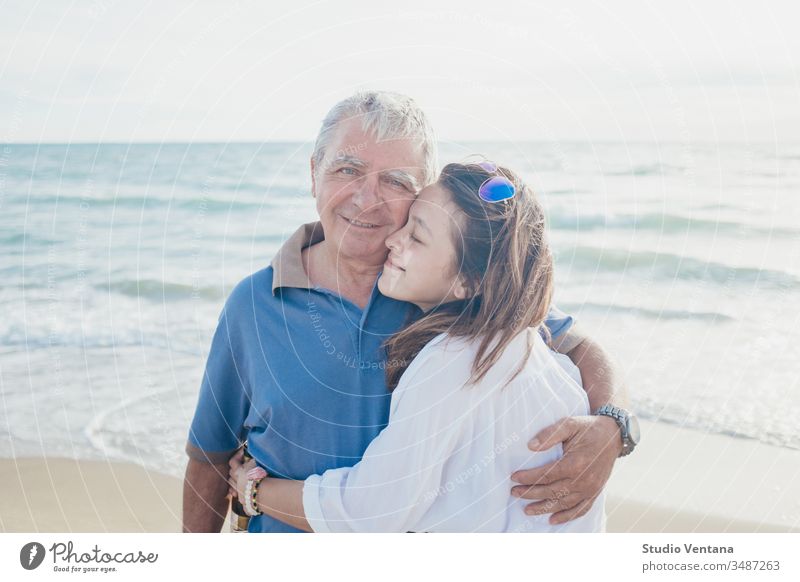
684	480
63	495
678	480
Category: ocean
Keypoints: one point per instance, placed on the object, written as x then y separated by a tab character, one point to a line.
682	260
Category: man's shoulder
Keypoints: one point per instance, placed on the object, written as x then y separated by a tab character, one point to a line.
256	287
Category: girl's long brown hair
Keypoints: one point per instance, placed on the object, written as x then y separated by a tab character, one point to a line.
503	255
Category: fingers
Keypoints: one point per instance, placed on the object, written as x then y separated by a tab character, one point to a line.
555	505
233	478
574	512
235	466
237	470
552	490
236	459
551	435
544	475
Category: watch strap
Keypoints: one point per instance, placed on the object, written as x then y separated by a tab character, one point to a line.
620	416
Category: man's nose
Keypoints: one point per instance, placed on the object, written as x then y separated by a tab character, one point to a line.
367	194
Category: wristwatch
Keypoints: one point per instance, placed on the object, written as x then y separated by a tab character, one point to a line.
628	426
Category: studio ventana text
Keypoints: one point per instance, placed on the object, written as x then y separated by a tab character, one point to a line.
686	548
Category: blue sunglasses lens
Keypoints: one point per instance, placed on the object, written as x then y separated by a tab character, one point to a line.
496	189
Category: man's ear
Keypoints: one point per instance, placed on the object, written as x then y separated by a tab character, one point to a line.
313	177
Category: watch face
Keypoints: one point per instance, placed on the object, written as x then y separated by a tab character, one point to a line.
634	434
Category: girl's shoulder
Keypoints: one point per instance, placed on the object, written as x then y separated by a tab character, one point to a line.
444	361
527	349
432	384
448	348
453	357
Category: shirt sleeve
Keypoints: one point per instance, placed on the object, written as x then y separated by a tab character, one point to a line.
400	474
565	333
558	322
217	428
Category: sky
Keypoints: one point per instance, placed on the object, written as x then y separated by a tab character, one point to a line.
115	71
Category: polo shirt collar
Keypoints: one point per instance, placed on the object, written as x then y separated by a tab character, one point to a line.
287	266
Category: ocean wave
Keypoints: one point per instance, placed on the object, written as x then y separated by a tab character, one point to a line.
656	222
656	314
270	199
703	419
78	341
564	191
28	238
29	340
718	207
142	442
657	169
155	290
666	266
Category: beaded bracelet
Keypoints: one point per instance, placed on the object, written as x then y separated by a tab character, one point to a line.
254	477
247	502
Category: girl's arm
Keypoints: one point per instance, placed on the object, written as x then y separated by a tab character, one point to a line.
283	500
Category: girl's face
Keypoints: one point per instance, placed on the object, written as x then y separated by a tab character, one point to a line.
421	267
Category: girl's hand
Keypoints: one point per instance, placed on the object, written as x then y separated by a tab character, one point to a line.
237	476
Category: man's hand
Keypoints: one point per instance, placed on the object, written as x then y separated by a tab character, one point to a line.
568	487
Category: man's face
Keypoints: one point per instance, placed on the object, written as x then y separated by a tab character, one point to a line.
364	189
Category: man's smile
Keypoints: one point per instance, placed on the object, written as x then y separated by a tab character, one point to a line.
358	223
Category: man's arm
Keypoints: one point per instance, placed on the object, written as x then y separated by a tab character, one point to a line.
223	403
601	378
205	501
568	487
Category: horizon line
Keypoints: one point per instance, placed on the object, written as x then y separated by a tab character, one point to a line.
310	142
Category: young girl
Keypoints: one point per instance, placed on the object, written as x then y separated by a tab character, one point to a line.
471	379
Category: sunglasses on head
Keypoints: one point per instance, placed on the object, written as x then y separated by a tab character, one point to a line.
497	188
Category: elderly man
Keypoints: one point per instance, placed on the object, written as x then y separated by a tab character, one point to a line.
296	365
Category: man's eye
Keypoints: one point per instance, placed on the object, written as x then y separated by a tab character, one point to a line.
397	184
348	171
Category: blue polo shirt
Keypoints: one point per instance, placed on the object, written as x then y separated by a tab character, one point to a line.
299	372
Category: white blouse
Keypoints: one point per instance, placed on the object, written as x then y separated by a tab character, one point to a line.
444	461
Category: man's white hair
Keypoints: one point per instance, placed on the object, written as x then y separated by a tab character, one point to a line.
387	116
